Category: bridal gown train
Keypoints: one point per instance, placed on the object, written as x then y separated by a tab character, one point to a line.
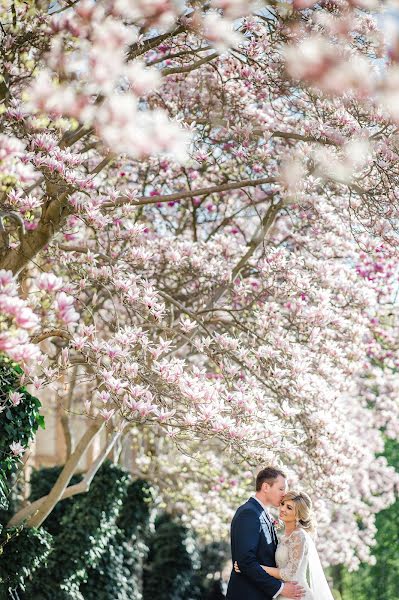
298	560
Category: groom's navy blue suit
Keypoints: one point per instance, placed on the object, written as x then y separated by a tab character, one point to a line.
253	543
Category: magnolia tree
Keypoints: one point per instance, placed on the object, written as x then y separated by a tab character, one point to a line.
198	235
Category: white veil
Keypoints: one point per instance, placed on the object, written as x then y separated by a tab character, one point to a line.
317	579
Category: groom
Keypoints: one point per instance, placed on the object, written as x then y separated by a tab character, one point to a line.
254	543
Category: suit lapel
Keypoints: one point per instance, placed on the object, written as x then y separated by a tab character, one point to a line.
266	527
265	523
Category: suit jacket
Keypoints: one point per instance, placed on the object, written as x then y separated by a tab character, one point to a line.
253	543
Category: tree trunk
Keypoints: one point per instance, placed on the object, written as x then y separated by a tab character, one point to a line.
53	217
41	508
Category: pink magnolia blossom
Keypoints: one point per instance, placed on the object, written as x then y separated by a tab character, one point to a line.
49	282
106	414
15	398
220	32
64	305
17	449
225	224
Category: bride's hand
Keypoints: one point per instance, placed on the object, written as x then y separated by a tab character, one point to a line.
236	569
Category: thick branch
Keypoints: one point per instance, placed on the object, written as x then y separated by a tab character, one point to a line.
65	414
105	162
81	250
190	67
32	242
256	241
70	138
51	221
138	49
36	339
73	490
41	508
84	485
258	238
289	135
234	185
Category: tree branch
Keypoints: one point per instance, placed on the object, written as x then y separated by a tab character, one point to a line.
105	161
234	185
258	238
179	55
65	415
82	250
36	339
32	242
190	67
138	49
288	135
84	485
41	508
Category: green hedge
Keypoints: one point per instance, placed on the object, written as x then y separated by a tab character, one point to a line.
42	481
86	530
105	545
171	571
118	574
25	551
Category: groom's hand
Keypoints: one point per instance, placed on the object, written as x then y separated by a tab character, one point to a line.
292	590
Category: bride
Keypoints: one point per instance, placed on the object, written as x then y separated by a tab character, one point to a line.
296	555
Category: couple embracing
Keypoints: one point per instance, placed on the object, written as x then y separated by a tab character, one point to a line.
265	567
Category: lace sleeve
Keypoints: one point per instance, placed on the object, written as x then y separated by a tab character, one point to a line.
296	545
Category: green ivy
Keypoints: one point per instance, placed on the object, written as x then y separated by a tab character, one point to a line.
86	530
118	575
137	511
23	551
16	487
170	571
105	546
213	558
17	423
42	482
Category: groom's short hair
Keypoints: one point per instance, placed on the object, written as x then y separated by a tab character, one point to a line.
268	475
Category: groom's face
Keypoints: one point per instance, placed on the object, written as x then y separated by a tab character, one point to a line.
276	491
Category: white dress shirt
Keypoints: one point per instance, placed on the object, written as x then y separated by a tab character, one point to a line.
266	509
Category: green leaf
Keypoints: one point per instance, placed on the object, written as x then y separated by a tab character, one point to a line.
40	420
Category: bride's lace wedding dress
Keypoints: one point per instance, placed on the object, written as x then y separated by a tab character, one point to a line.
297	559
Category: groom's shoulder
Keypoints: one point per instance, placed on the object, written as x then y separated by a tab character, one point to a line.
249	505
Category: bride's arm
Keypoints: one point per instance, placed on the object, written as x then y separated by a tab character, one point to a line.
296	546
296	550
273	571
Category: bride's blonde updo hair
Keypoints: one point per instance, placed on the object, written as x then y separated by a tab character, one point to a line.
303	510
